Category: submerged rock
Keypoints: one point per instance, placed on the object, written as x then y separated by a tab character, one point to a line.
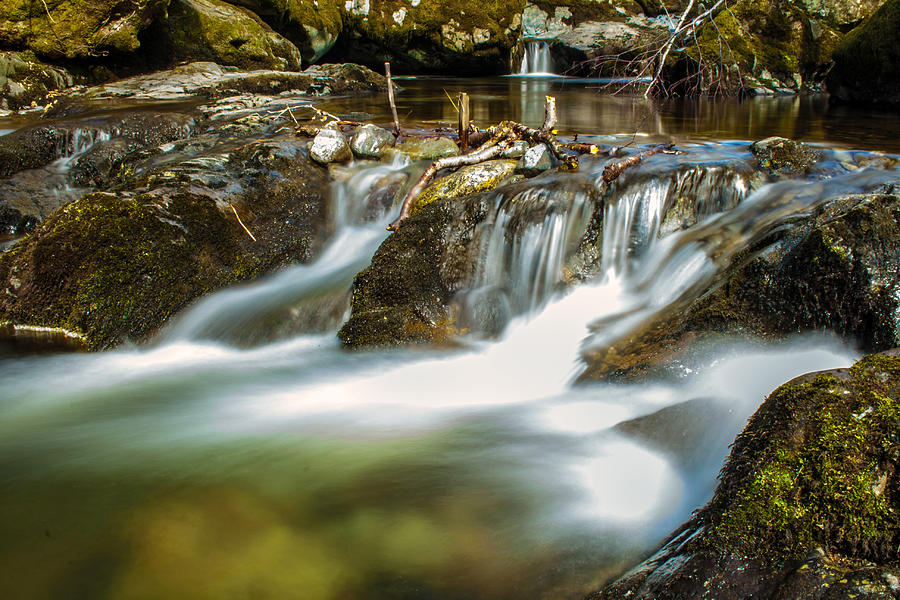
867	61
808	504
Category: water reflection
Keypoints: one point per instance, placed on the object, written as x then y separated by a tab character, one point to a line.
586	106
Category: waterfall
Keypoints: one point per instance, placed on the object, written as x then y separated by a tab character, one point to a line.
537	59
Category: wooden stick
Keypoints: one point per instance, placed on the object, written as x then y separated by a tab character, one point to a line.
549	114
390	85
252	237
463	122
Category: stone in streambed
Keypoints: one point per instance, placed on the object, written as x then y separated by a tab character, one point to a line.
467	180
536	160
780	156
371	141
330	146
425	148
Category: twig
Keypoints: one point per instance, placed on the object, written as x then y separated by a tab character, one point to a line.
612	171
44	2
390	86
252	237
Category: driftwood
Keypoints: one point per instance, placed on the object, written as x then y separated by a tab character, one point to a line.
612	171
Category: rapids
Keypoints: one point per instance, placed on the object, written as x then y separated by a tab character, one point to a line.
218	463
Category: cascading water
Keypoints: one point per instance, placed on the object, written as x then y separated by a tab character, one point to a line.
537	59
196	469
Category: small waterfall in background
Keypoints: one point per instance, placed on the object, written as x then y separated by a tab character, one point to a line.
537	59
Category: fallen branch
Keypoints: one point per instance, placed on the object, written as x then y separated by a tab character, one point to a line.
612	171
463	122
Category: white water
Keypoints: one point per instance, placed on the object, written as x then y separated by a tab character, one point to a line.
537	60
483	458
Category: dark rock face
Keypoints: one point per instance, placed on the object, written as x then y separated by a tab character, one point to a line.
814	469
867	61
781	155
24	79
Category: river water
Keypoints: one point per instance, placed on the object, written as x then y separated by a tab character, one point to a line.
200	467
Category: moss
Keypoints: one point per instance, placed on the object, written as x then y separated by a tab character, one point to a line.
112	268
467	180
73	29
816	467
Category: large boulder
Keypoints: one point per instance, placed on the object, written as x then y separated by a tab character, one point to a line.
867	61
313	26
228	35
73	29
808	505
111	267
431	36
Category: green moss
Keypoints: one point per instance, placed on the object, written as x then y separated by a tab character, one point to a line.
467	180
815	467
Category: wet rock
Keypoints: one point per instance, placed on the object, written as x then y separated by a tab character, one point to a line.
425	148
780	156
814	469
370	141
867	61
114	267
31	148
835	270
76	28
841	14
465	181
536	160
24	79
228	35
330	146
210	80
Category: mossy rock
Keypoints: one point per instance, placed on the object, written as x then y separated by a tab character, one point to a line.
771	44
432	36
75	29
229	35
31	148
114	267
778	155
867	61
24	79
482	177
808	505
312	26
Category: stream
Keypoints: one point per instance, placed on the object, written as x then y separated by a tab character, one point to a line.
205	466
